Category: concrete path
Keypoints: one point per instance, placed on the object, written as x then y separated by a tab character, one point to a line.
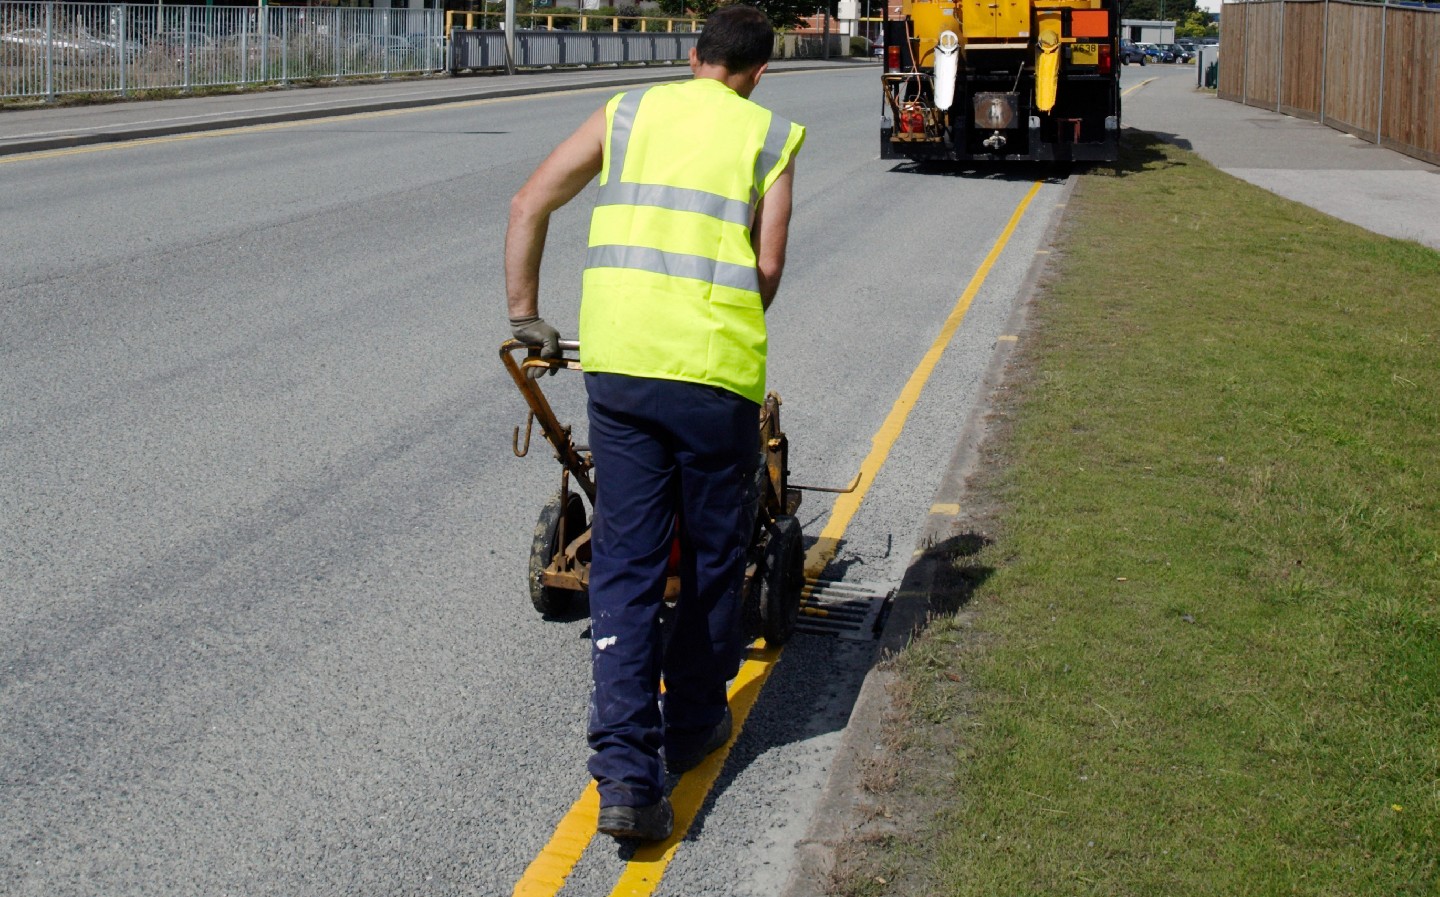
1378	189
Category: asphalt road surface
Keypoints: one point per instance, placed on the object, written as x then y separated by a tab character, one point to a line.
263	539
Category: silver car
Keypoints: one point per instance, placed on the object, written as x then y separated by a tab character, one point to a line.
63	47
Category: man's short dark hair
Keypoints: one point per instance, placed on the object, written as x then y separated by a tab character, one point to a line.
738	37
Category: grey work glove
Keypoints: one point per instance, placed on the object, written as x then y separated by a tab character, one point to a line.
532	330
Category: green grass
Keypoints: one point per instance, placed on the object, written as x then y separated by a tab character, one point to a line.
1203	656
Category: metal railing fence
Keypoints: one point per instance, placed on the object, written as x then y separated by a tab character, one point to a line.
471	50
50	48
551	20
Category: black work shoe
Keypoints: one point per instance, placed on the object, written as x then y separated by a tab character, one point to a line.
652	823
683	763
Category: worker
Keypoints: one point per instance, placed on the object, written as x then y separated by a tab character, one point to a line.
686	249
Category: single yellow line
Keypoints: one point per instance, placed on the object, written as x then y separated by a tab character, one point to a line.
643	871
546	874
1136	87
883	441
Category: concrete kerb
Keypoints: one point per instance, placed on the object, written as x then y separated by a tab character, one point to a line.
514	86
843	806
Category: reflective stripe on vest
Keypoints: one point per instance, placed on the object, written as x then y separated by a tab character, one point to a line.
674	264
681	199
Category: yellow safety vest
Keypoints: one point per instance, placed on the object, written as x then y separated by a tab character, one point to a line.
670	288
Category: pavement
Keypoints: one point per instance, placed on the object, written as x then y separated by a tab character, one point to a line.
1378	189
1351	179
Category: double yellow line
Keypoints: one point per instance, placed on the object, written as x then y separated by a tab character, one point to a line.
546	874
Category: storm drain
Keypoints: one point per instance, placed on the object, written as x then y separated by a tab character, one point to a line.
847	610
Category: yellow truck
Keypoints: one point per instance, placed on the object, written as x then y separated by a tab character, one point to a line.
1001	80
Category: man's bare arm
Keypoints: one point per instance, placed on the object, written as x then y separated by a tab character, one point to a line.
771	231
563	174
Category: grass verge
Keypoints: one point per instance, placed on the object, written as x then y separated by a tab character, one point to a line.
1202	655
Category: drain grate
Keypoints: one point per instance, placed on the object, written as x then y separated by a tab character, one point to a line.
847	610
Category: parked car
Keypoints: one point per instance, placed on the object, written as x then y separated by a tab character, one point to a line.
1166	54
175	44
254	46
396	50
1131	52
1179	53
65	47
116	49
1152	52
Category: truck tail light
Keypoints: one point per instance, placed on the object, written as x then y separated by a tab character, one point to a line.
892	58
1107	59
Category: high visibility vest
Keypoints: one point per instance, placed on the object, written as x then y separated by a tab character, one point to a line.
670	288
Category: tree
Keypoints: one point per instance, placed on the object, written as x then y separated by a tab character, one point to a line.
1157	10
782	13
1196	24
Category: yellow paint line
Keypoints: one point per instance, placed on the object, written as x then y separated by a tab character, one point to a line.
642	874
949	508
1128	91
546	874
1007	338
821	553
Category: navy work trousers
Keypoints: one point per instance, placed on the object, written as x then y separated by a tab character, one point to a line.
670	457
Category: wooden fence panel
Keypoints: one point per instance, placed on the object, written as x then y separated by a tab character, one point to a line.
1368	68
1231	83
1264	28
1352	68
1410	111
1304	49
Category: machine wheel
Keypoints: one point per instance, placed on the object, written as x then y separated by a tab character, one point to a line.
547	599
782	578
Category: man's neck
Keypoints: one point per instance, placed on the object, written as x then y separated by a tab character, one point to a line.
742	82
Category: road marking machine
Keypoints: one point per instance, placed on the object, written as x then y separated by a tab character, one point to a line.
560	552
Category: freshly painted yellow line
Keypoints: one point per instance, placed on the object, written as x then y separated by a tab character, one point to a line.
846	505
642	874
546	874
